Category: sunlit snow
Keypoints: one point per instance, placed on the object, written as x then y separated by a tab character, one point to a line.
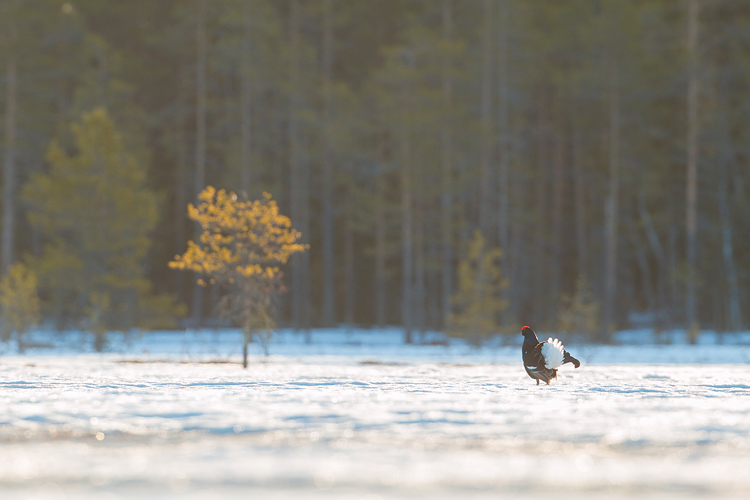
175	416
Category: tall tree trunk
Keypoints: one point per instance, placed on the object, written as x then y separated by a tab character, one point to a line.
406	216
419	262
182	187
201	90
381	234
329	296
380	242
644	266
557	223
446	225
349	268
9	166
200	131
432	298
734	313
486	214
246	115
519	258
676	301
503	131
611	208
580	202
298	178
485	113
294	153
539	258
662	272
691	189
733	306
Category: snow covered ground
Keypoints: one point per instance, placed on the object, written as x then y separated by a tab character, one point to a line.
359	416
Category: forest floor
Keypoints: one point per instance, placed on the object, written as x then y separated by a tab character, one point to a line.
162	417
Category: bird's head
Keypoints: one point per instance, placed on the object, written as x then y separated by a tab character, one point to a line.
529	336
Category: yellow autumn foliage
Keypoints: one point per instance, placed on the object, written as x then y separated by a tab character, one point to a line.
239	238
242	245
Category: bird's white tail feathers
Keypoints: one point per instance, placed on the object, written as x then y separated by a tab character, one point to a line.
552	350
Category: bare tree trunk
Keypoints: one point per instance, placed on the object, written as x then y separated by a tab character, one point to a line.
557	223
432	298
200	131
298	171
349	269
380	238
734	313
180	182
519	268
9	167
539	258
580	202
406	218
485	113
446	225
644	266
380	281
486	215
201	90
503	226
294	154
245	341
691	189
662	273
676	301
419	263
611	208
246	115
329	297
503	128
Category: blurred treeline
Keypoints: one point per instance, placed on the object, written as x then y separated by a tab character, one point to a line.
592	141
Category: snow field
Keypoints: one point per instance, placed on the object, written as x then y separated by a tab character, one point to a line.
371	425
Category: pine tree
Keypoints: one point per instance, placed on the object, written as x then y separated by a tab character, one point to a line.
579	313
19	303
96	214
477	302
586	109
241	247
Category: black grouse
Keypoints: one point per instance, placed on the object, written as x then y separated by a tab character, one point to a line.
542	359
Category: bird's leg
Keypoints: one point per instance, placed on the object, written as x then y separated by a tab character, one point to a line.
548	382
537	381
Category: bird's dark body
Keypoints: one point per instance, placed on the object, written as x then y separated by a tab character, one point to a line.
533	358
533	362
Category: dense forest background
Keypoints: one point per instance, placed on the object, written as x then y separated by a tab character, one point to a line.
602	145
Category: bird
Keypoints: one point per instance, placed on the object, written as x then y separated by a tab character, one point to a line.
542	359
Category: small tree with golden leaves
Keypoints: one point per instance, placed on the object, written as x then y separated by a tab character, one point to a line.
241	247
